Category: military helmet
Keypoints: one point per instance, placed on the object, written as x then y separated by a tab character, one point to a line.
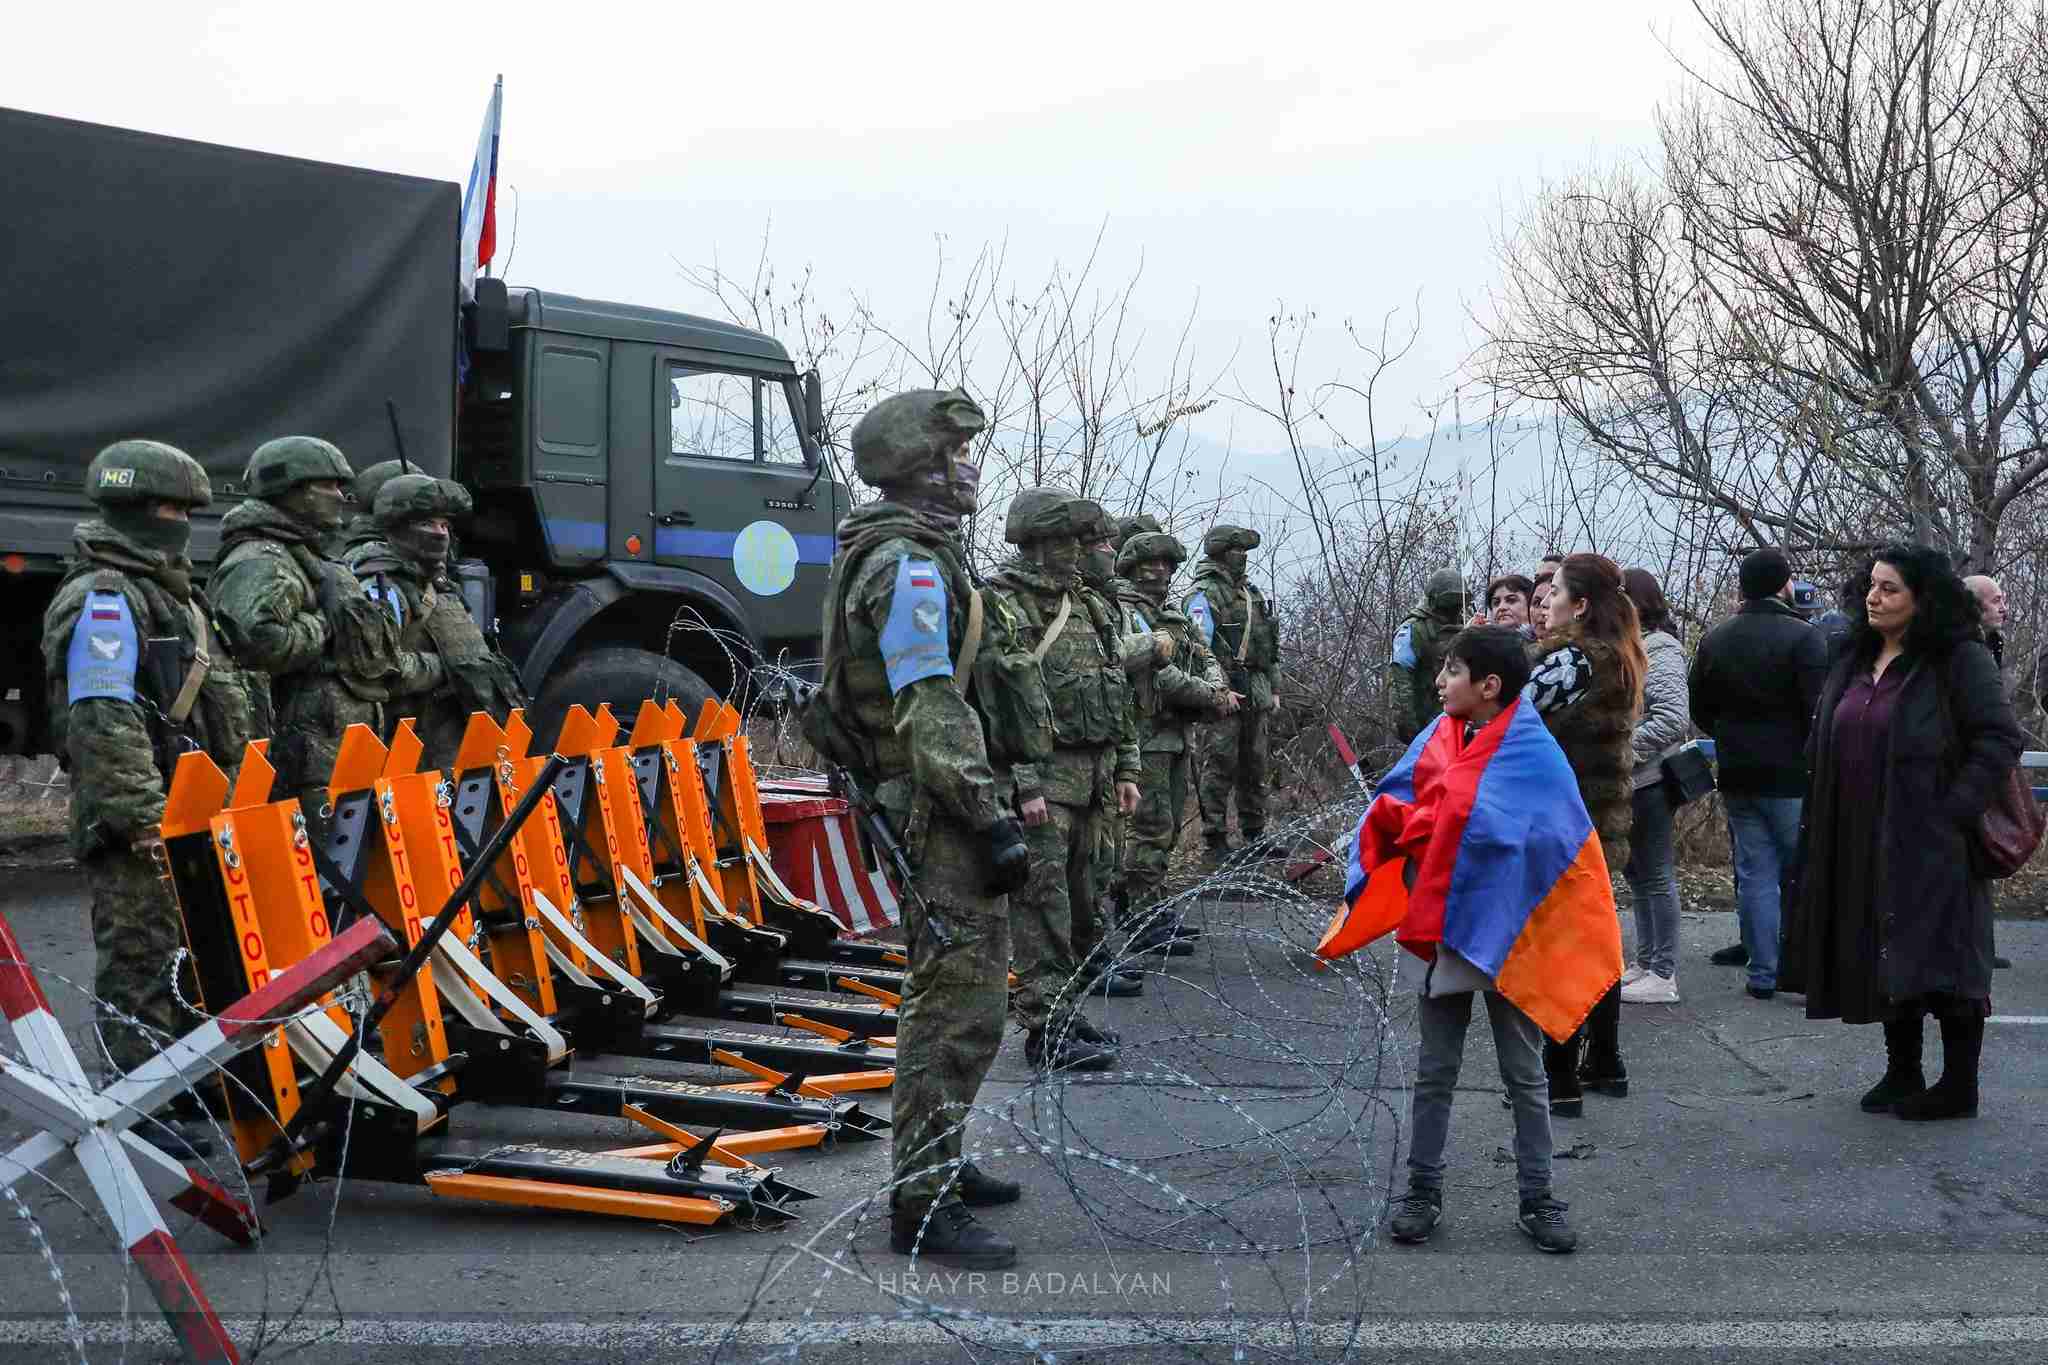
1149	545
909	432
1445	591
1041	513
1096	527
1126	527
280	465
363	492
146	471
414	497
1221	538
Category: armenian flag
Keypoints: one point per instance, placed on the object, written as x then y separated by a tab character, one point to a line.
1507	868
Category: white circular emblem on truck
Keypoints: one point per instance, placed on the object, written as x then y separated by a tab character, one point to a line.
764	558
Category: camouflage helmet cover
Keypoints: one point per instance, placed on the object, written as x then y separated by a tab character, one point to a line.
1042	513
1445	592
1126	527
146	471
1148	545
363	492
1221	538
907	433
1095	528
280	465
414	497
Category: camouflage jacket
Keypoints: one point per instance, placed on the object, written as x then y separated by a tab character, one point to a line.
1419	644
1218	607
446	668
108	718
1168	696
1095	736
896	616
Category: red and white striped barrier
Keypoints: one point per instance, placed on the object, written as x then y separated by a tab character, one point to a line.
816	848
49	1089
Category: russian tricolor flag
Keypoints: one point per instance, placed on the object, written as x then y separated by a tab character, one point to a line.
480	196
1508	869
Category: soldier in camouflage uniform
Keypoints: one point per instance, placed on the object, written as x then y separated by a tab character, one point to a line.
1100	586
362	495
1175	681
1092	765
120	726
1419	645
295	613
447	669
1233	620
900	625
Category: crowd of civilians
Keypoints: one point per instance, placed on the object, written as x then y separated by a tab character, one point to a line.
1856	747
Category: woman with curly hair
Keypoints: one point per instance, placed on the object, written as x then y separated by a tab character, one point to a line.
1588	687
1893	921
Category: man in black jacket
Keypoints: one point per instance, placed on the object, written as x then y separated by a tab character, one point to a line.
1755	681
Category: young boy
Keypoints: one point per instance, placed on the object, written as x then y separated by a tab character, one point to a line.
1483	673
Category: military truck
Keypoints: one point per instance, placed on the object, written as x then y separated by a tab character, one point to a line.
654	511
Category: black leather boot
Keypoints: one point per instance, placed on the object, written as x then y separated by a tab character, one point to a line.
1068	1053
979	1190
1954	1096
950	1236
1903	1075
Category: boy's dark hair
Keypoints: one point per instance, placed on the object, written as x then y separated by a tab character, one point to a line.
1493	652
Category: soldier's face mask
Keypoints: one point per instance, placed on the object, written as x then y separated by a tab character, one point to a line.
1060	557
1152	576
954	486
320	504
165	527
425	541
1235	559
1098	563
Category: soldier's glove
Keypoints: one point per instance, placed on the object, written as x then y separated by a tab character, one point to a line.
1009	860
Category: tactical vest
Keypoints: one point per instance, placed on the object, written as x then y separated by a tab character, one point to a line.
1229	603
1083	682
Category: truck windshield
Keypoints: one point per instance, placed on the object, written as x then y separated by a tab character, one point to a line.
723	416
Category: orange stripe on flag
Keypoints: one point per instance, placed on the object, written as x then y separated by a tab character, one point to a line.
1569	952
1378	910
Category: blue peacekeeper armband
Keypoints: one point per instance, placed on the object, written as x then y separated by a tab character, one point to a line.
1143	624
914	644
105	653
1198	612
381	589
1404	646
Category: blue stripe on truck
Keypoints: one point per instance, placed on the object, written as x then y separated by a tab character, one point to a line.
588	537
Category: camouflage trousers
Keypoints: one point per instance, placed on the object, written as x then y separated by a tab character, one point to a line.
1044	912
135	933
950	1024
1234	760
1154	830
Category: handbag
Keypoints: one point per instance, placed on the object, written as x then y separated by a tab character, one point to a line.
2010	828
1686	772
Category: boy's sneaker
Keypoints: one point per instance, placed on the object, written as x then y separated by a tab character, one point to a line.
1415	1215
1650	989
1543	1219
1634	974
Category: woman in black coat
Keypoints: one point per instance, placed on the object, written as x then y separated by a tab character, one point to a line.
1913	734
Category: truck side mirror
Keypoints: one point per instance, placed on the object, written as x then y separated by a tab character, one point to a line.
814	406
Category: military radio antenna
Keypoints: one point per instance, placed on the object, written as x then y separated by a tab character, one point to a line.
397	437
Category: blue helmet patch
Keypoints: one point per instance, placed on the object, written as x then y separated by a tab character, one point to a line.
914	643
105	653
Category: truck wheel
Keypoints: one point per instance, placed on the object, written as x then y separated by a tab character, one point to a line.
618	674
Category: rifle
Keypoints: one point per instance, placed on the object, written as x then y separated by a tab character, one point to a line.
883	840
164	664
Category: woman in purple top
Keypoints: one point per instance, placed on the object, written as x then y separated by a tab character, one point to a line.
1893	922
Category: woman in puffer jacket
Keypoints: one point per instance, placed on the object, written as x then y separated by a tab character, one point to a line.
1652	870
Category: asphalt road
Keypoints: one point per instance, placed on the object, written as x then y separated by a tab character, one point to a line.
1219	1195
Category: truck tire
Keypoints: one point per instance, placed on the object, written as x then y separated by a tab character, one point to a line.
620	675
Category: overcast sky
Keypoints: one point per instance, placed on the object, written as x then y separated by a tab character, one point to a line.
1343	157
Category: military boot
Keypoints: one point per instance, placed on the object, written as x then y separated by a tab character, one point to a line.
1215	851
1067	1053
979	1190
950	1236
1166	934
1087	1032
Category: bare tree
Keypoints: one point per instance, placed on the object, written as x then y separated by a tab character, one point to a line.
1821	323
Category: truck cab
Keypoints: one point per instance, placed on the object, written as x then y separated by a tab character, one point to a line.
651	499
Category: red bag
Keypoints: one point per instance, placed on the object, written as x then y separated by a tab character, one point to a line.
2011	827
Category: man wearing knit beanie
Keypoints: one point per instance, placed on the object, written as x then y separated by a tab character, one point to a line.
1756	679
